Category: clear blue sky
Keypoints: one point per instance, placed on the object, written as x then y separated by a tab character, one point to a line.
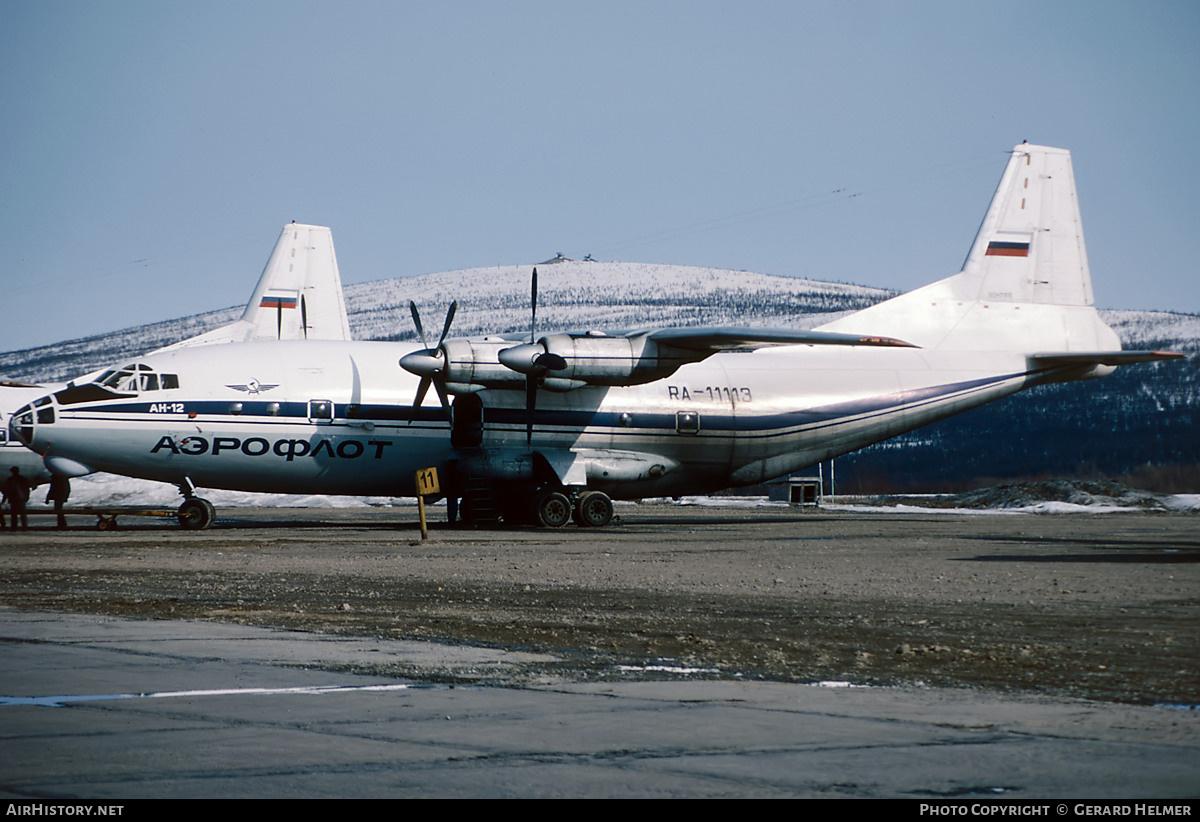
151	151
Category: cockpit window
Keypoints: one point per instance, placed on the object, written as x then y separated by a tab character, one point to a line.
123	380
137	378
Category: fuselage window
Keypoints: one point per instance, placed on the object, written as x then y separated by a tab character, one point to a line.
319	410
687	422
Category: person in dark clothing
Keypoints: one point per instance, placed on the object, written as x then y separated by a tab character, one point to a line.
16	494
60	491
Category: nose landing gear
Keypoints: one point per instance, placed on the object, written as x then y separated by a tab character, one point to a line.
196	514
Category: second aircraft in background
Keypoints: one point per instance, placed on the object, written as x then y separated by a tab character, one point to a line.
297	297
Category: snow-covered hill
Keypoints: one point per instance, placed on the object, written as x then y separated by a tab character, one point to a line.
571	294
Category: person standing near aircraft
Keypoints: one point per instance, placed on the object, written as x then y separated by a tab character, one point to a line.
59	493
16	493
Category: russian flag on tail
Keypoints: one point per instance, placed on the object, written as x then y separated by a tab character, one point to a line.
998	248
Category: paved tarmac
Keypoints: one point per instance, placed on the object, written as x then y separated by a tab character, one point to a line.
104	708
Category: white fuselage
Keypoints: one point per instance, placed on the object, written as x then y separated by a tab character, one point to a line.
334	418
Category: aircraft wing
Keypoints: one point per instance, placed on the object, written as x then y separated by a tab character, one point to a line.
298	297
714	339
1067	358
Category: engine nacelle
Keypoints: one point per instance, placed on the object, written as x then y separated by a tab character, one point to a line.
560	362
476	363
564	362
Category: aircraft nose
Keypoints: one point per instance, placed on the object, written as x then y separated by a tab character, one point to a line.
26	419
20	426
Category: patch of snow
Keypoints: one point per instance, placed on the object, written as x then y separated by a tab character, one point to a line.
109	489
667	669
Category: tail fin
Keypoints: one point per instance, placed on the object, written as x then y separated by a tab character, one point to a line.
1030	246
1025	285
299	295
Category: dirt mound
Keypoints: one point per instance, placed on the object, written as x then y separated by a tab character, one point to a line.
1099	493
1072	492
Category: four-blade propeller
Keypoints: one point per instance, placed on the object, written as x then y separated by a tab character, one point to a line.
530	359
429	364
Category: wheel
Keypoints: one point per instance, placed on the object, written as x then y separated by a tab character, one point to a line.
196	514
593	509
553	509
104	523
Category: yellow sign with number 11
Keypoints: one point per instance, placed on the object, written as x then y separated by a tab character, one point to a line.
427	483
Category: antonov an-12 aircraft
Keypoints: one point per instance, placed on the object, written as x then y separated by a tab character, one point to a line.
297	297
551	428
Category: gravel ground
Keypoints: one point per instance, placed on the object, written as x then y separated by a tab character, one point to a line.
1100	606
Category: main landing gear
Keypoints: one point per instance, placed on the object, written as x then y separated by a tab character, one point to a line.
590	509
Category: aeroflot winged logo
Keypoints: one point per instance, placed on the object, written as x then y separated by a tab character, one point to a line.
253	387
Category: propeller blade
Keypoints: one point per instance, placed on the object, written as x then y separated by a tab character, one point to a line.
534	370
533	309
449	319
416	315
445	398
422	389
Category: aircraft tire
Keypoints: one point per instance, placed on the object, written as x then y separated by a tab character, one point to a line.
196	514
553	509
593	509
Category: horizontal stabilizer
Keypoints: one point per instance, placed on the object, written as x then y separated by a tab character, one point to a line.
1055	360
